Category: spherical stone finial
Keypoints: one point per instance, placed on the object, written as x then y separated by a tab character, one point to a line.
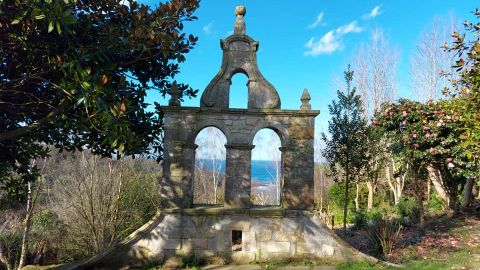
240	10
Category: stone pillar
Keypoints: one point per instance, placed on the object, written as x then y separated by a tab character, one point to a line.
177	181
298	180
238	175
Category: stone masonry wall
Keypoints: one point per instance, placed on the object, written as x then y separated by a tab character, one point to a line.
296	132
267	234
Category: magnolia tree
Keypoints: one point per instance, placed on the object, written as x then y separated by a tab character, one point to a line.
75	74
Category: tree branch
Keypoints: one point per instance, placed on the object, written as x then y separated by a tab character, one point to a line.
21	131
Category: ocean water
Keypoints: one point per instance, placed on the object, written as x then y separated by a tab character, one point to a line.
263	171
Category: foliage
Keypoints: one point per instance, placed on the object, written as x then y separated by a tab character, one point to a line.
408	208
75	74
383	234
427	136
466	90
436	203
444	134
344	150
361	219
10	243
336	195
123	195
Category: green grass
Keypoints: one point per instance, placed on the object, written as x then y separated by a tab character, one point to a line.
456	260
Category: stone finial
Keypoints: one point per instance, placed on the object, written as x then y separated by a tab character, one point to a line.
175	94
239	28
305	100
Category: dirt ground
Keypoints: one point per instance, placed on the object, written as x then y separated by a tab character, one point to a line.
450	240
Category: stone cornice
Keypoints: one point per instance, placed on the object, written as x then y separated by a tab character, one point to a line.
268	211
257	112
240	146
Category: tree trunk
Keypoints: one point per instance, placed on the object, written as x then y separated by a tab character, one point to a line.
421	210
357	195
467	193
419	194
26	228
429	189
436	178
371	191
345	203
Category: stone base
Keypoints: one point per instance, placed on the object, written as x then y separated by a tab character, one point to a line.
268	234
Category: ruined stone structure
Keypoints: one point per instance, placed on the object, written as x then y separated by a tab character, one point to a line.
291	230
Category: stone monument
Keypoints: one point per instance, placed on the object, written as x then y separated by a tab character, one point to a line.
236	231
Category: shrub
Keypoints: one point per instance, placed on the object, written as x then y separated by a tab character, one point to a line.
336	194
361	219
407	208
383	235
436	203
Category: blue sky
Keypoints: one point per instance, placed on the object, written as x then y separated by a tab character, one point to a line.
306	44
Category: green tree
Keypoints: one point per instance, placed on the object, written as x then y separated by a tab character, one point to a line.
344	150
465	93
75	74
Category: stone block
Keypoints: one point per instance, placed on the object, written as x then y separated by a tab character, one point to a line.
264	235
305	248
242	257
200	243
274	226
327	250
274	247
172	244
281	236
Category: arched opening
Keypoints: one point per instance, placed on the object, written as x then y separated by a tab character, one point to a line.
266	171
239	91
209	175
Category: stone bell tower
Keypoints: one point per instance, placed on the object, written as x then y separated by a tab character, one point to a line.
294	127
236	231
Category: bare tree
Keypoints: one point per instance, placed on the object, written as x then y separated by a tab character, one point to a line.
375	65
431	70
430	64
275	159
33	191
211	149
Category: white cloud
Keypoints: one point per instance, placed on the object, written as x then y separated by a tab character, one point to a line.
349	28
374	13
332	41
317	21
207	29
327	44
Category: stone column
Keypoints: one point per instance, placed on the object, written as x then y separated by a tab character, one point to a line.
177	181
238	175
298	182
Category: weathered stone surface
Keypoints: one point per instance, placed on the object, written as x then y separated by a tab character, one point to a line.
275	247
328	250
148	245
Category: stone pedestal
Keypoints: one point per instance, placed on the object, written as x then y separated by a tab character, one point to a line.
268	234
238	172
